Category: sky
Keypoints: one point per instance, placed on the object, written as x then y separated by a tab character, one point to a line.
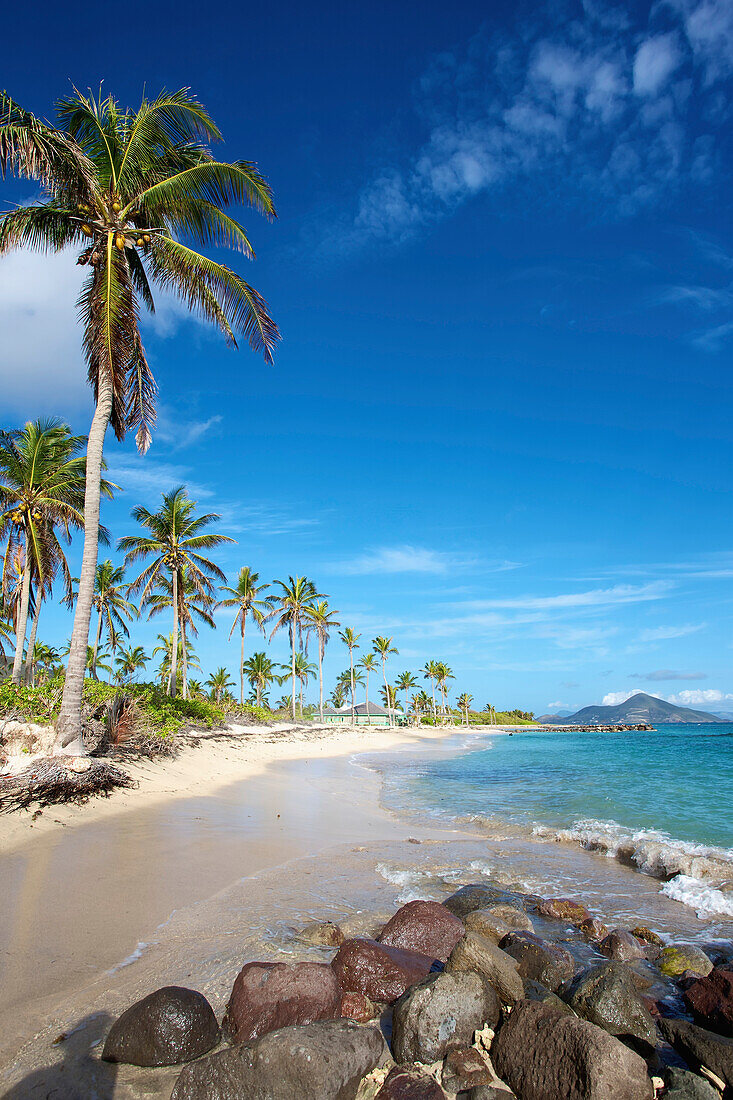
498	423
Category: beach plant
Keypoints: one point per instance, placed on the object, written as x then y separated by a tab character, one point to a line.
370	664
383	648
260	671
406	682
350	639
246	597
175	541
131	191
219	683
321	620
291	602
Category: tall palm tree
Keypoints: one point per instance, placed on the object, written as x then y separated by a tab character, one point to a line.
291	605
176	537
193	606
350	639
260	671
245	596
369	664
169	658
464	702
111	606
383	647
321	621
430	671
41	489
129	661
389	697
127	189
303	670
6	627
347	681
218	683
443	675
406	682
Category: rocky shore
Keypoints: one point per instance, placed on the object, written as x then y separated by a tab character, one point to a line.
640	726
488	995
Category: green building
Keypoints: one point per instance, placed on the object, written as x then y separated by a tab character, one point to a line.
374	716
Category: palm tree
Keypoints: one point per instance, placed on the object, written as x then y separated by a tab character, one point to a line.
169	659
41	488
348	680
195	689
218	683
129	661
350	639
112	607
260	671
245	597
321	621
389	698
443	674
291	606
121	187
406	682
464	702
431	671
176	537
338	696
369	664
42	656
303	670
192	605
6	627
383	647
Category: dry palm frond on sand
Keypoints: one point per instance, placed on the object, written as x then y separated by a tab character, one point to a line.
52	780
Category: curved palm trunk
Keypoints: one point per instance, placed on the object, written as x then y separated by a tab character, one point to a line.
174	652
435	713
68	725
406	705
25	594
292	646
320	680
29	671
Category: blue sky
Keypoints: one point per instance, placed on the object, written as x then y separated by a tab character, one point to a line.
498	427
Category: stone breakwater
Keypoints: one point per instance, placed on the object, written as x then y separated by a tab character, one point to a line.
488	995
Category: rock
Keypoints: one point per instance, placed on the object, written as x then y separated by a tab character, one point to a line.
322	933
536	991
684	956
491	1092
512	915
423	926
170	1026
605	995
464	1068
683	1085
355	1006
647	936
380	972
593	929
542	962
486	924
441	1010
476	952
700	1047
710	1000
474	896
410	1083
545	1056
621	945
320	1061
574	912
267	996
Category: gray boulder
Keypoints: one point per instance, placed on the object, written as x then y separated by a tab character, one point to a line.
605	995
513	915
541	961
321	1061
486	924
168	1027
543	1055
700	1047
621	945
683	1085
536	991
476	952
443	1009
474	896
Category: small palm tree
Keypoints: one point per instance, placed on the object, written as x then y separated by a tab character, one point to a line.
348	681
218	683
245	596
111	606
389	698
321	621
291	607
338	696
431	671
443	675
350	639
175	542
122	187
129	661
195	689
303	670
370	664
406	682
383	648
169	660
260	671
43	657
193	606
464	702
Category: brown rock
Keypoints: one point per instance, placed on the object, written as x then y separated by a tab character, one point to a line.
410	1083
541	961
355	1006
464	1068
621	946
423	926
513	915
322	933
476	952
440	1011
380	972
710	1000
574	912
267	996
170	1026
700	1047
476	895
647	936
543	1055
593	929
484	922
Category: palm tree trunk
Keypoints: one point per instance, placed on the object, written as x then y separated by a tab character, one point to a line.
292	646
184	659
369	721
96	644
351	665
435	713
241	668
320	680
174	651
386	691
29	672
25	595
68	725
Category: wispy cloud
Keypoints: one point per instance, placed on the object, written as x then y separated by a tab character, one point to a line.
666	633
597	597
415	559
690	697
179	431
264	519
667	674
148	477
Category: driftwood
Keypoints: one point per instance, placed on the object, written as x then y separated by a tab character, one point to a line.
53	779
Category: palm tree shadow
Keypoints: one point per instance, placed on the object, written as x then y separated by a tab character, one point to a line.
79	1073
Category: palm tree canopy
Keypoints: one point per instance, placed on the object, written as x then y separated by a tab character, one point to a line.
369	662
291	603
245	596
349	637
127	189
108	598
321	620
383	646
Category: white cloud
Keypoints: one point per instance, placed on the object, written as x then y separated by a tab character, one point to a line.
655	61
667	674
666	633
698	697
709	29
613	698
147	477
178	431
408	559
597	597
558	705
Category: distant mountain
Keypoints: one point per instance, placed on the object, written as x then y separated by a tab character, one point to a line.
546	719
639	708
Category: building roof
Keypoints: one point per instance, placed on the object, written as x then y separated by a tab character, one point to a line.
360	708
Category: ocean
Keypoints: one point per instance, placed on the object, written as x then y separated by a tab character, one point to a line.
660	802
